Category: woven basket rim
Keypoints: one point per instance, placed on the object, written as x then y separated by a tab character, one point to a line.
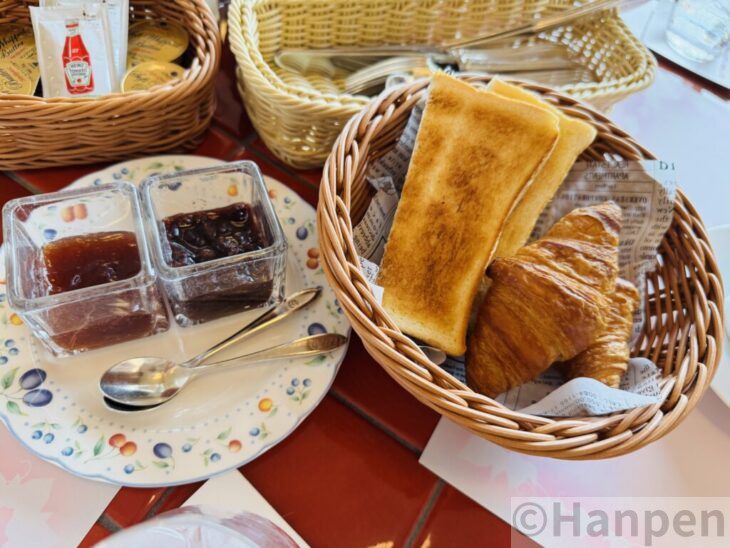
648	64
569	438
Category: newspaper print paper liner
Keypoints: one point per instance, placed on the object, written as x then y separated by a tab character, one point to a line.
645	191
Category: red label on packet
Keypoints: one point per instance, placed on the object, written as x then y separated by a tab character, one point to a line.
76	61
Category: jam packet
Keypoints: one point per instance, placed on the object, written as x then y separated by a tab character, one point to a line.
118	12
74	50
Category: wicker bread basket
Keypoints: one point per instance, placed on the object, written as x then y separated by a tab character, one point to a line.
299	118
683	306
37	132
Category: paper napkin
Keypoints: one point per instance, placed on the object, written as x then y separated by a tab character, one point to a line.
41	504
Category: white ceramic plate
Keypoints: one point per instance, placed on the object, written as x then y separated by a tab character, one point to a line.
219	422
720	239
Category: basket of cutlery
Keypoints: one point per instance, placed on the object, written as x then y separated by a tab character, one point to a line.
299	113
458	213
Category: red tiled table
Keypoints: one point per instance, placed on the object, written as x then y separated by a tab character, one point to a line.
349	475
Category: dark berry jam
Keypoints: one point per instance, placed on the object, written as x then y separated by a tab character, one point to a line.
203	236
207	235
78	262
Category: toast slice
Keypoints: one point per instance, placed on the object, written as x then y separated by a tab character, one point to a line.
475	153
575	136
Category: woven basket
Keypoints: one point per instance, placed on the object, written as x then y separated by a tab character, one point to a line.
37	132
299	118
683	308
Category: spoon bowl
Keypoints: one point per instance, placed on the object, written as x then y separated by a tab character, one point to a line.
151	380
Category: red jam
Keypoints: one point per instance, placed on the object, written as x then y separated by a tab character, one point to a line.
202	236
78	262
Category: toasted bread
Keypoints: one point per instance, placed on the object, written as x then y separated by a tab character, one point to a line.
575	136
475	153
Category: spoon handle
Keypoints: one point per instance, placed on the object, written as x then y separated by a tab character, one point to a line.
306	346
275	314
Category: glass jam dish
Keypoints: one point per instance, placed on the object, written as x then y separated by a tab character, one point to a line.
78	268
217	244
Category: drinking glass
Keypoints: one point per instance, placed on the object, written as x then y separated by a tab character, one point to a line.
699	29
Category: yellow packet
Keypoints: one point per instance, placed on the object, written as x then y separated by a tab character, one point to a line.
18	77
150	40
150	74
17	42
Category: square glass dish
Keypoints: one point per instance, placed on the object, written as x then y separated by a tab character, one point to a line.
78	268
217	244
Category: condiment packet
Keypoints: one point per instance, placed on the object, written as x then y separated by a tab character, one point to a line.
18	76
74	50
150	74
644	190
155	40
118	13
17	42
19	72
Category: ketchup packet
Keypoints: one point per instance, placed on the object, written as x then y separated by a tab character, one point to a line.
74	50
118	12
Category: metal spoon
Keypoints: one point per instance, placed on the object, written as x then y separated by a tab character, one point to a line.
290	304
275	314
139	383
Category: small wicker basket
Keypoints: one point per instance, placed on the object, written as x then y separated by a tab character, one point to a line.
299	118
683	309
37	132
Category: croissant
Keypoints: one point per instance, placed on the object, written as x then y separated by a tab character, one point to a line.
546	302
606	359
